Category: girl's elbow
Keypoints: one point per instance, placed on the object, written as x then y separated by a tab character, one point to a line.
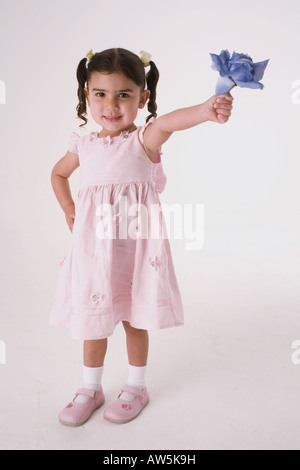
53	173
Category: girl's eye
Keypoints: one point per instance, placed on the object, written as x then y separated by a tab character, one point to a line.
100	94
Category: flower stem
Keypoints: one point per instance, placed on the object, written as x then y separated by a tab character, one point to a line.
231	88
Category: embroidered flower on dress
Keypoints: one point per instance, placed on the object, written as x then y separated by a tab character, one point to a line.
106	141
153	262
95	298
124	135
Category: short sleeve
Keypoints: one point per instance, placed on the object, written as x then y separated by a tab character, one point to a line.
73	144
158	153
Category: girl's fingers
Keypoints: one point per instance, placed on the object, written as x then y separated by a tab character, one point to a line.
224	112
223	101
222	119
222	106
219	106
227	97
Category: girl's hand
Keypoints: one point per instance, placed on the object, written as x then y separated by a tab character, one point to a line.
219	108
70	216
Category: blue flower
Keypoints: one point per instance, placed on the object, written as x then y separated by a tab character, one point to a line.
237	70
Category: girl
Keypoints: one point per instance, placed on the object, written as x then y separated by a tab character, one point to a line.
116	270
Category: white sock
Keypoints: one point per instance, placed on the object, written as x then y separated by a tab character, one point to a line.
92	377
136	378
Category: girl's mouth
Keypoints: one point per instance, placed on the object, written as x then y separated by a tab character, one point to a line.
112	118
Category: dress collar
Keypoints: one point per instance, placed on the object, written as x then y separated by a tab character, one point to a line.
108	140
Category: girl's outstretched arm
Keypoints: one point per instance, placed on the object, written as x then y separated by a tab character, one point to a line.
216	109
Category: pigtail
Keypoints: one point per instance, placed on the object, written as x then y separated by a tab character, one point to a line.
152	78
82	79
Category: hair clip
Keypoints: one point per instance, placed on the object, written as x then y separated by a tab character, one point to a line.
145	58
89	54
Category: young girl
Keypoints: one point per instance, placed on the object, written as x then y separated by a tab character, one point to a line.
119	267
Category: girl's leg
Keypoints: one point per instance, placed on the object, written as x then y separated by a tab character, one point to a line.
137	349
93	357
94	352
137	345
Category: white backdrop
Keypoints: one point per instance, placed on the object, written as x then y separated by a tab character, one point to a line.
227	377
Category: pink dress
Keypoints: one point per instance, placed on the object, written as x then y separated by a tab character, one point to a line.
119	265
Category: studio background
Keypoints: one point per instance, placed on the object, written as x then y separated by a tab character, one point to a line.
226	380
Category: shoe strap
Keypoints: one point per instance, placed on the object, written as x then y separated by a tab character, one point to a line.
86	392
137	392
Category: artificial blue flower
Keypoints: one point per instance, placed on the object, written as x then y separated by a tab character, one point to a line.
237	70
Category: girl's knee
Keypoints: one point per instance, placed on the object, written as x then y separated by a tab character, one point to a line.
130	329
127	326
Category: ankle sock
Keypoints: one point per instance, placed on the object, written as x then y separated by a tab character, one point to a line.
92	377
136	378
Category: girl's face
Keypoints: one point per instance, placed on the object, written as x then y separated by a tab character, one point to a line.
114	101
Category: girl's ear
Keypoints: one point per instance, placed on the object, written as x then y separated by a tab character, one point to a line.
145	95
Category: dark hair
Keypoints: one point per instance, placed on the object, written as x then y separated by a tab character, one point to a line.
117	60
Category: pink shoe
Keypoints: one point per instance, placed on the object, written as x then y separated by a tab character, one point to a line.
121	411
75	414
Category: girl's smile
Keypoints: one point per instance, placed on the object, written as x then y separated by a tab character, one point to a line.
112	118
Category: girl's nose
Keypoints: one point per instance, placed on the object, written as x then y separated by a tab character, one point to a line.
112	103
